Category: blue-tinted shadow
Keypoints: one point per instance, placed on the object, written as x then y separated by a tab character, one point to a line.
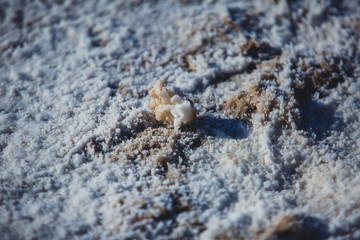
318	119
223	127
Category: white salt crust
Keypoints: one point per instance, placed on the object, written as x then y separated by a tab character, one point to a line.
74	84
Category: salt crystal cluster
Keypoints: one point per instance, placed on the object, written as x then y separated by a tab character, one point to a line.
170	106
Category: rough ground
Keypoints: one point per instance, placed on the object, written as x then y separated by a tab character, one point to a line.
274	151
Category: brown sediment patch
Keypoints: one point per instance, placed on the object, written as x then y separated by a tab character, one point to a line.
146	207
268	77
278	100
242	105
285	227
255	49
263	99
327	74
157	147
295	227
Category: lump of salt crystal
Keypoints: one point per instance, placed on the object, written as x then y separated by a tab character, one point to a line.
170	106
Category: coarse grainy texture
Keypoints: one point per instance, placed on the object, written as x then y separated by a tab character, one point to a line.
272	151
170	106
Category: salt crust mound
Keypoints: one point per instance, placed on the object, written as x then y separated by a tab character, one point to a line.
272	154
170	106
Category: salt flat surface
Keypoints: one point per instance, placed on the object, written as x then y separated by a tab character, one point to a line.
274	150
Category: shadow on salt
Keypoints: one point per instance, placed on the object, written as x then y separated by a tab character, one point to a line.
319	119
223	128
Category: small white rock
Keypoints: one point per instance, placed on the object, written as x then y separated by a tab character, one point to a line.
170	106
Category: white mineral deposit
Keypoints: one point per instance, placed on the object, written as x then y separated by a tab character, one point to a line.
179	119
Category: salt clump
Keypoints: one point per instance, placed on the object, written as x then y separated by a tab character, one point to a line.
170	106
